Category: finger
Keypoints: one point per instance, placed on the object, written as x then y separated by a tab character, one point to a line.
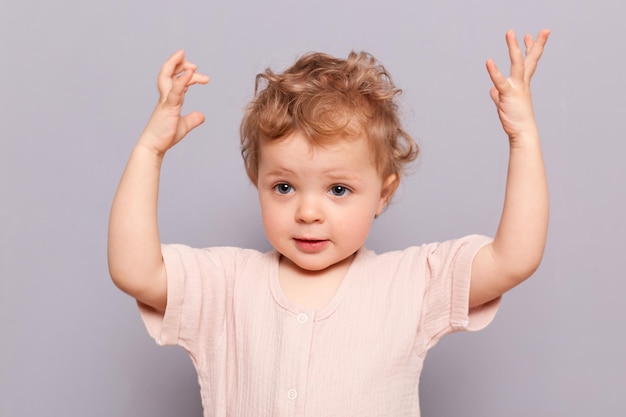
168	69
534	53
176	94
515	55
495	96
184	66
528	43
498	79
199	78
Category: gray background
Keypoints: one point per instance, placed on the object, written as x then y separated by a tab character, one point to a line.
78	84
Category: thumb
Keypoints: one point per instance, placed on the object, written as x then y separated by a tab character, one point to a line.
193	120
189	122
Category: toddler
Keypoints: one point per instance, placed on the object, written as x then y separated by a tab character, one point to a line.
321	326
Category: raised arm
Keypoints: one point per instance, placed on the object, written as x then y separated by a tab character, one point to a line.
519	242
134	247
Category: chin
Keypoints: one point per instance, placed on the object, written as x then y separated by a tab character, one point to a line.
311	266
305	264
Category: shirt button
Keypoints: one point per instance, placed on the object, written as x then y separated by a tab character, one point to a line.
302	318
292	394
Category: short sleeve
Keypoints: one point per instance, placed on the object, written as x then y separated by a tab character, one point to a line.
447	270
198	282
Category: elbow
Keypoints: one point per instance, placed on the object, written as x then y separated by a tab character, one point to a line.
520	270
149	288
116	272
122	281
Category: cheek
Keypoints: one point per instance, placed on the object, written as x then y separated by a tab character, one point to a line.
271	215
358	221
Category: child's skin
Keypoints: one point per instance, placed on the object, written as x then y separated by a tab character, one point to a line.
318	203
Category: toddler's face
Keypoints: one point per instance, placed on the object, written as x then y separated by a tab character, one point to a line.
318	203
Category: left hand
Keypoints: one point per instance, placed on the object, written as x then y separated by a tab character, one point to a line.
512	95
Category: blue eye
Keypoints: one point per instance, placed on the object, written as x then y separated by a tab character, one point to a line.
339	191
283	188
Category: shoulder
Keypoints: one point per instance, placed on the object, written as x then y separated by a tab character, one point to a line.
224	258
217	252
428	257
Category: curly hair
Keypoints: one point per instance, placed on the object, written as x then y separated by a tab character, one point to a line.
326	98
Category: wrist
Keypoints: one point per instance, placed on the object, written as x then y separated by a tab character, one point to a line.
525	139
146	151
145	146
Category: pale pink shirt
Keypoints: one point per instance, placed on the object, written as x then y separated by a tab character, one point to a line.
258	354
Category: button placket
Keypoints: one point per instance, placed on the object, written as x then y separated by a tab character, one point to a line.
297	342
301	318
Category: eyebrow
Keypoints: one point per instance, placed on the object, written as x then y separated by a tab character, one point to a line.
332	175
279	172
342	176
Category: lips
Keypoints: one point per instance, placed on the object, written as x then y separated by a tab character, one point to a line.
310	245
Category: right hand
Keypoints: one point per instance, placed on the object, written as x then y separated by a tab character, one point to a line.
167	126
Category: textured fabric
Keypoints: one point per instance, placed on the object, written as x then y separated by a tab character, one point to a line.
257	354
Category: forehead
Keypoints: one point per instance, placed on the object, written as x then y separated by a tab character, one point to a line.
297	150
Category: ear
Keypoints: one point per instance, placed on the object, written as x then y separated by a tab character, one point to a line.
390	185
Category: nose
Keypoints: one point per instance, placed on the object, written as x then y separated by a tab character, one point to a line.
309	210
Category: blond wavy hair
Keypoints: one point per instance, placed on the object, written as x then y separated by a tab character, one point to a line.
326	99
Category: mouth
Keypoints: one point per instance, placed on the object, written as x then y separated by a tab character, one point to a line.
310	245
